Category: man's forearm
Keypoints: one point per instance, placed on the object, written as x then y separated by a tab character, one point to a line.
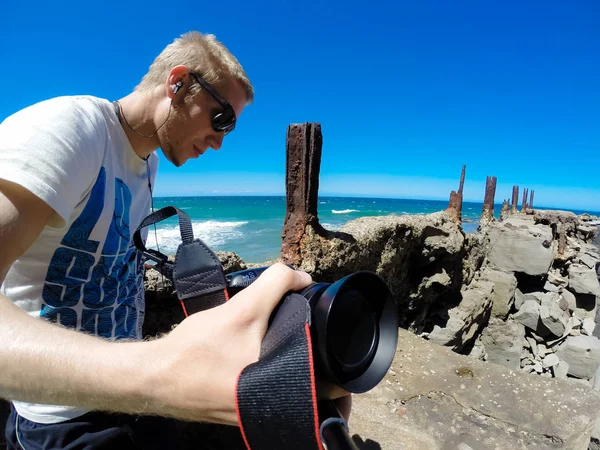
44	363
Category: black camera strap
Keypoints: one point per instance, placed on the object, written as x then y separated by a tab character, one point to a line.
276	396
196	272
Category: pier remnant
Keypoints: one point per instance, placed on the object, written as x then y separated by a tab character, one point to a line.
505	211
524	202
515	200
487	214
531	200
562	238
304	143
455	204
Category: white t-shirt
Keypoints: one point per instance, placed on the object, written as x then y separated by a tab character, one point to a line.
83	270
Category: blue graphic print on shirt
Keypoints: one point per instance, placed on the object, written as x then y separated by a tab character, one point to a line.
96	294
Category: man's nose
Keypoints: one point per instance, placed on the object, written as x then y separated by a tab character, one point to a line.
217	141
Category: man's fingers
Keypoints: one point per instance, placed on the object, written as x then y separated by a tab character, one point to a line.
270	287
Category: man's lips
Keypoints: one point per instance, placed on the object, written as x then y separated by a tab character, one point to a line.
197	151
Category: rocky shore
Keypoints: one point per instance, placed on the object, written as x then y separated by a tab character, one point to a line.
519	295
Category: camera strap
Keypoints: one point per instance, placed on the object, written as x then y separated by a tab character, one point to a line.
276	398
197	273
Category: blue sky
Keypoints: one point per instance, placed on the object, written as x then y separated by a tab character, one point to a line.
406	92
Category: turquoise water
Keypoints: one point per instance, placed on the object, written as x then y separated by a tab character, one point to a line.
252	226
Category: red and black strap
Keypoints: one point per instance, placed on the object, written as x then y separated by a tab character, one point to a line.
276	396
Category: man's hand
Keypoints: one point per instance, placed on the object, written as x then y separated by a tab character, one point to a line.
198	363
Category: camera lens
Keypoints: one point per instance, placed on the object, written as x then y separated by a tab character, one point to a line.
352	332
355	329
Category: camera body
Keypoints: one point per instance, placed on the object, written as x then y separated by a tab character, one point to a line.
353	327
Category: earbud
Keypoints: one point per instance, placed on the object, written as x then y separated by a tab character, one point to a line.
177	87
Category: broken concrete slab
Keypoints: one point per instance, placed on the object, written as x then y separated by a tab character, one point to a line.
503	296
570	298
529	314
435	399
467	318
582	353
517	245
503	342
583	280
552	315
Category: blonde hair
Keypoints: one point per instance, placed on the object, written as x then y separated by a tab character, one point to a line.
201	53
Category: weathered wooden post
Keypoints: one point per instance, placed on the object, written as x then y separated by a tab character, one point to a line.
531	200
455	204
515	200
487	214
304	143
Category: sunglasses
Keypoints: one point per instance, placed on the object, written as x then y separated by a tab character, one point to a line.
223	121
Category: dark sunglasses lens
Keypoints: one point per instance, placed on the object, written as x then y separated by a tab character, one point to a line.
224	121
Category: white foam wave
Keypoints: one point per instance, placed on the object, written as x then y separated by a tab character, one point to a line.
344	211
212	232
330	226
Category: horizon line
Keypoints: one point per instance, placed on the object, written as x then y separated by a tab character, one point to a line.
547	207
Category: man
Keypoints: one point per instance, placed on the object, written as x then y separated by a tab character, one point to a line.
75	182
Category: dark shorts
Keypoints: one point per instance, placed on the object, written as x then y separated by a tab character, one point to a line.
92	431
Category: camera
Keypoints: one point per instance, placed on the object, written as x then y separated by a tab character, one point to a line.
353	327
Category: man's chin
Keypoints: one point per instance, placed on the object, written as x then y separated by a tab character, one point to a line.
173	159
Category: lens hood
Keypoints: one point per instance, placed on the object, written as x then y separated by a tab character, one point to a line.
355	329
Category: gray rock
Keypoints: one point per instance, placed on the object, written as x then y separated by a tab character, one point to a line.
533	345
537	366
521	247
551	287
582	353
570	298
550	360
529	314
503	342
519	299
586	232
588	260
573	323
503	295
467	318
536	296
561	369
552	316
563	304
556	279
588	326
583	280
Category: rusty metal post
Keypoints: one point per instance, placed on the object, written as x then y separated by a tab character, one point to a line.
515	199
304	143
456	198
562	238
524	203
531	200
487	214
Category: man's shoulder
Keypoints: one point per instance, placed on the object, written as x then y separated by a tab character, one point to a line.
74	104
64	108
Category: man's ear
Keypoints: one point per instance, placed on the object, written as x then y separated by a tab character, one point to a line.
177	81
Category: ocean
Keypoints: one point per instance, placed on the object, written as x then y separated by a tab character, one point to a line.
252	226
